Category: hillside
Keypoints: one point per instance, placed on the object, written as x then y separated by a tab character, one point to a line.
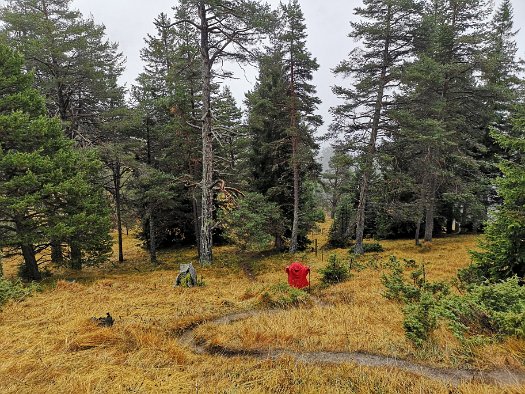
49	343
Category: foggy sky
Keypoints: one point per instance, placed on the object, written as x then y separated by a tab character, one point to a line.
128	21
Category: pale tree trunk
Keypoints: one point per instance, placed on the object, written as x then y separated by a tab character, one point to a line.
368	166
295	222
205	249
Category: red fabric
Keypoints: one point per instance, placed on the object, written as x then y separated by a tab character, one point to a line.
297	275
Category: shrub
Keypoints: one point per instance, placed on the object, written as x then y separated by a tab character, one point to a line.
374	247
421	318
281	295
334	272
490	308
14	290
253	224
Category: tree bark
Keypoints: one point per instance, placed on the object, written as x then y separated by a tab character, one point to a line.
295	155
31	271
369	158
31	266
76	256
152	238
429	208
57	255
205	249
118	205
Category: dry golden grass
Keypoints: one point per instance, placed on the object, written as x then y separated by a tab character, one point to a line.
49	345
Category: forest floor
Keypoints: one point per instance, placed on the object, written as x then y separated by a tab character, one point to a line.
219	338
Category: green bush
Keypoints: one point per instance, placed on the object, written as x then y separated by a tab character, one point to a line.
282	295
14	290
335	271
374	247
483	312
253	224
421	318
487	309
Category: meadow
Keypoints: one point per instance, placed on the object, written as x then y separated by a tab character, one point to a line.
48	343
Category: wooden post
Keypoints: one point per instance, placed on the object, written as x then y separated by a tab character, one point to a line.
316	247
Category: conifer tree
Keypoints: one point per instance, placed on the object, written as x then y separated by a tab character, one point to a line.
46	189
503	254
440	112
226	30
386	30
76	67
302	102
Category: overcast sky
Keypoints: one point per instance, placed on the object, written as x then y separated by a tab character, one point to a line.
128	21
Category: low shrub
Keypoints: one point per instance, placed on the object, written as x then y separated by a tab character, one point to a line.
335	271
282	295
15	290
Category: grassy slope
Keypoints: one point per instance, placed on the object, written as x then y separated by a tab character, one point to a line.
48	344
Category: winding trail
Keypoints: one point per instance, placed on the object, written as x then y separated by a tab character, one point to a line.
502	377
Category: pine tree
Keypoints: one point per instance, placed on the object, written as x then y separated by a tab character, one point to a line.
302	102
226	29
440	113
76	67
46	189
386	31
503	254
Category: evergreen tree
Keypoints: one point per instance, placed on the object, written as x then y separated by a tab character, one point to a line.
503	253
226	30
302	102
76	67
46	189
440	112
386	31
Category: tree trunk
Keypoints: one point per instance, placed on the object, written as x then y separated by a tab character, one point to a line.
152	238
57	255
205	250
295	222
418	230
360	219
295	155
368	166
429	214
118	204
76	256
31	271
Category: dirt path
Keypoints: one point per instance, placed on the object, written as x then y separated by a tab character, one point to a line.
452	376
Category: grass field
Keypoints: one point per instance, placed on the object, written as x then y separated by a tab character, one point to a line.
48	343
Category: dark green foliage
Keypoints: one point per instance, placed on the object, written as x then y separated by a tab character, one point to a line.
335	271
343	226
420	318
483	312
503	249
252	224
421	298
76	67
373	247
15	290
48	190
488	309
282	295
